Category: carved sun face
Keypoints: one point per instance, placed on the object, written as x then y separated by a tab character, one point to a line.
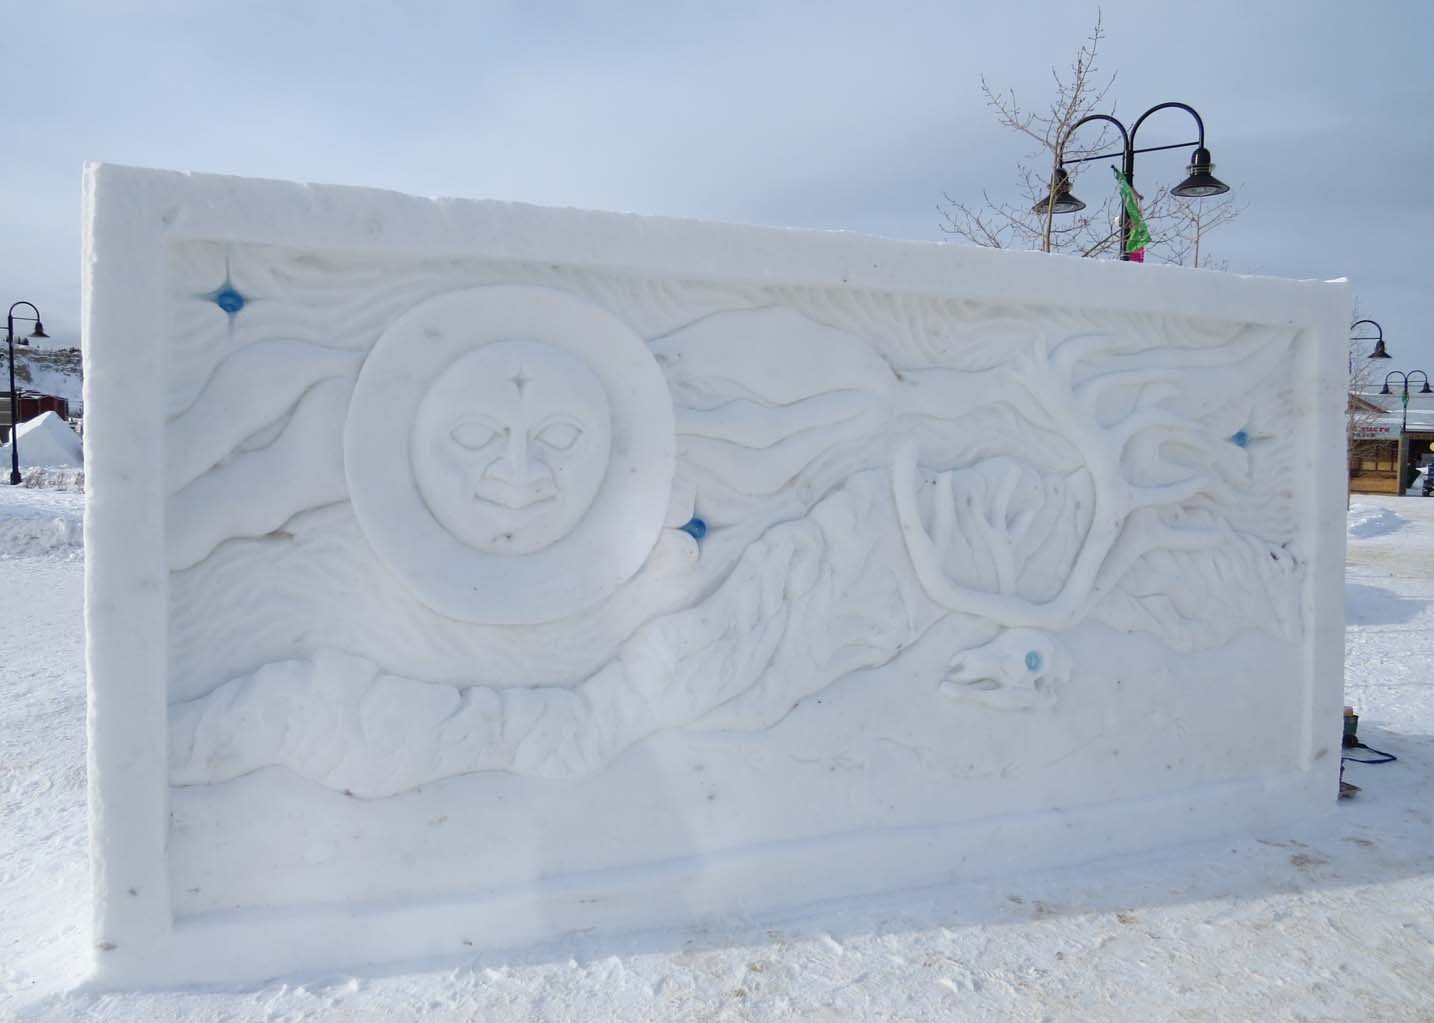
511	444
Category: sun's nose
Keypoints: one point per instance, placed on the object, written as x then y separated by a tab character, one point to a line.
517	466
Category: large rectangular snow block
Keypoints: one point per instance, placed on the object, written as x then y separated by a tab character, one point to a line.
462	574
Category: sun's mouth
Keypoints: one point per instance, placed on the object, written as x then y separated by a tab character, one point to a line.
514	498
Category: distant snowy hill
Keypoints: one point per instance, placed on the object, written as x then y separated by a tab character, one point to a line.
48	370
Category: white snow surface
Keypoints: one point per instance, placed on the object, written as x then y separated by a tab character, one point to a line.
37	523
1370	520
1329	920
46	440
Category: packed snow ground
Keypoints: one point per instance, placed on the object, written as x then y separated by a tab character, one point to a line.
38	523
1333	920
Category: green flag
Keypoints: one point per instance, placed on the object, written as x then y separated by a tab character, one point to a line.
1139	236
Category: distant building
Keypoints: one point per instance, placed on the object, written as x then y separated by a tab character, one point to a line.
1384	455
31	404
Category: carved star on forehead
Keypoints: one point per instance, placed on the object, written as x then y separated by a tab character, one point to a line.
520	380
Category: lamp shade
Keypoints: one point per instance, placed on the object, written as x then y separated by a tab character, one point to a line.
1379	351
1201	181
39	330
1060	200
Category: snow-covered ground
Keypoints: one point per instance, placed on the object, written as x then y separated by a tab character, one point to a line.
1332	920
39	523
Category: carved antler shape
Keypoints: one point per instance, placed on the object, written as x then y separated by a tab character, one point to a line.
1118	418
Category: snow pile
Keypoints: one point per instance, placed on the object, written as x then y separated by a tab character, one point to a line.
1367	520
41	523
46	440
55	477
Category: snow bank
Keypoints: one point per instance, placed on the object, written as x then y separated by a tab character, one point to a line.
46	440
1368	520
41	523
55	477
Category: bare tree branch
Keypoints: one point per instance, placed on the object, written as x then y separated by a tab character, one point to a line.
1178	228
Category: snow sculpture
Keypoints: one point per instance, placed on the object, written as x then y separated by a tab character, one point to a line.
506	461
512	571
1019	669
512	435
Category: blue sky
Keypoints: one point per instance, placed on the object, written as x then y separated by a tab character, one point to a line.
824	115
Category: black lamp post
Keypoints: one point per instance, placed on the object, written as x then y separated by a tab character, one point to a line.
1404	377
1380	352
1200	180
1404	420
10	341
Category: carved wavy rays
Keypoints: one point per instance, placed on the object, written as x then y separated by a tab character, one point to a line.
239	498
255	388
773	624
237	610
345	302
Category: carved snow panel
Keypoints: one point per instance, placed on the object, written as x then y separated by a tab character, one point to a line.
487	570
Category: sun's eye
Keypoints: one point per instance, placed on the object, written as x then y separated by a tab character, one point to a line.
473	434
560	436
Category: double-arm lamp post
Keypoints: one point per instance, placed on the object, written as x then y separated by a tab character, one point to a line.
10	341
1404	378
1200	180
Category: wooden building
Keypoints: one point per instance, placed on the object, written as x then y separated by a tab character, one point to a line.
1387	446
31	404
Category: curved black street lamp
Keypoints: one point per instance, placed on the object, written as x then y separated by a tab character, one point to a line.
1200	180
1404	377
1380	352
39	331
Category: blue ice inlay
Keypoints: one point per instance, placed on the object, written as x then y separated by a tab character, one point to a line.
694	528
1241	439
1033	660
228	299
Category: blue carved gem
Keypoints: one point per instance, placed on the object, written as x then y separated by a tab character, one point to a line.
695	528
1241	439
1033	660
229	299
